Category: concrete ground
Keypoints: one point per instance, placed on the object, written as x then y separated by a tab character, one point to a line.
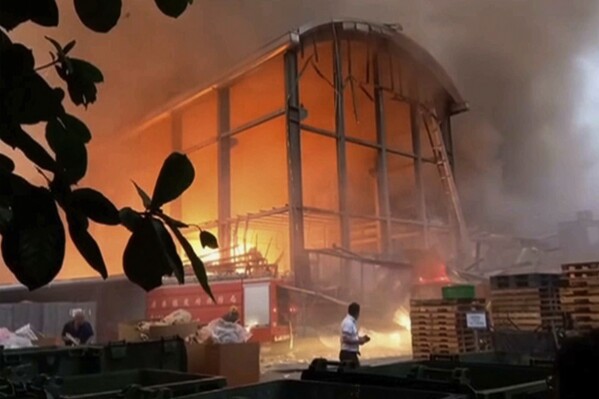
285	361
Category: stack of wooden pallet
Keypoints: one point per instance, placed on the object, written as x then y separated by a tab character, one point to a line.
439	327
580	294
527	302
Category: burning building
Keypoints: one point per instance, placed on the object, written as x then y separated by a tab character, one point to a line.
327	155
330	148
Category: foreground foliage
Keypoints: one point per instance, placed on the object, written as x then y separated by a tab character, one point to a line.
33	234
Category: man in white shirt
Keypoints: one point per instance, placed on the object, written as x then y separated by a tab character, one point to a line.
350	339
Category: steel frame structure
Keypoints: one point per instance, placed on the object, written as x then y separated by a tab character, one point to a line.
446	104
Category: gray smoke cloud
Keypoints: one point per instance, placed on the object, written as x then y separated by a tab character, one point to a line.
525	151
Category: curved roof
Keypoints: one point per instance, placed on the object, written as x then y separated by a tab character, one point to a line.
392	33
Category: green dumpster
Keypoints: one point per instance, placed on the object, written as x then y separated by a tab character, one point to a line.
53	360
289	389
164	354
476	380
110	385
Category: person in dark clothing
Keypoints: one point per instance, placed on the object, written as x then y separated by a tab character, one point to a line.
350	339
77	331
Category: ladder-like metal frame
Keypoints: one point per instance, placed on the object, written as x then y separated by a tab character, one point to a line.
435	136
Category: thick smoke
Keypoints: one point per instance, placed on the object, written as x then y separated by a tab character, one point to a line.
525	150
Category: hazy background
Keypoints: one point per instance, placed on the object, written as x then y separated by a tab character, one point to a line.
526	152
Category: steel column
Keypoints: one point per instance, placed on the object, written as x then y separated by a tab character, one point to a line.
299	261
382	174
417	147
224	167
341	152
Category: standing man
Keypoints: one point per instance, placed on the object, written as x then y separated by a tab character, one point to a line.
350	339
77	331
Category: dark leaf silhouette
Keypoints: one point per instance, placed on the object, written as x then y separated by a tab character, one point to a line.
144	261
5	216
198	266
15	12
208	240
85	243
18	138
129	218
99	15
170	251
33	244
95	206
25	97
81	77
61	52
176	175
145	198
69	147
6	164
173	8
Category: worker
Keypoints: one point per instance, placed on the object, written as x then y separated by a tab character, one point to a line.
350	339
78	331
232	315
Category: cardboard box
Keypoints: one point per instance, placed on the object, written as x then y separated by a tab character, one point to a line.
238	363
129	332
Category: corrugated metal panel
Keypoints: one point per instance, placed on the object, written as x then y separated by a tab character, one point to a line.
6	312
28	313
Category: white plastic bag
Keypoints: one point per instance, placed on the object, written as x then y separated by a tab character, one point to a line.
179	316
10	340
224	332
26	332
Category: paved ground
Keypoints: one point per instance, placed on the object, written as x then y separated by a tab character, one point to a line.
279	361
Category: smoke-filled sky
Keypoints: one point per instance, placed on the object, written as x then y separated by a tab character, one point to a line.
525	151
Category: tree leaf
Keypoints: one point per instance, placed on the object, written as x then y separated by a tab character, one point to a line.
81	78
144	260
61	53
99	15
130	218
76	127
173	8
16	137
95	206
15	12
145	198
208	240
85	243
44	12
198	266
176	175
25	97
70	45
170	251
5	217
71	154
6	164
33	245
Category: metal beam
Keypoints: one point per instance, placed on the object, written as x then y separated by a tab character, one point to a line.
417	148
383	197
224	166
298	258
341	142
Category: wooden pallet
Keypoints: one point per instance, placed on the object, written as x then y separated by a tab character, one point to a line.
528	308
533	280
